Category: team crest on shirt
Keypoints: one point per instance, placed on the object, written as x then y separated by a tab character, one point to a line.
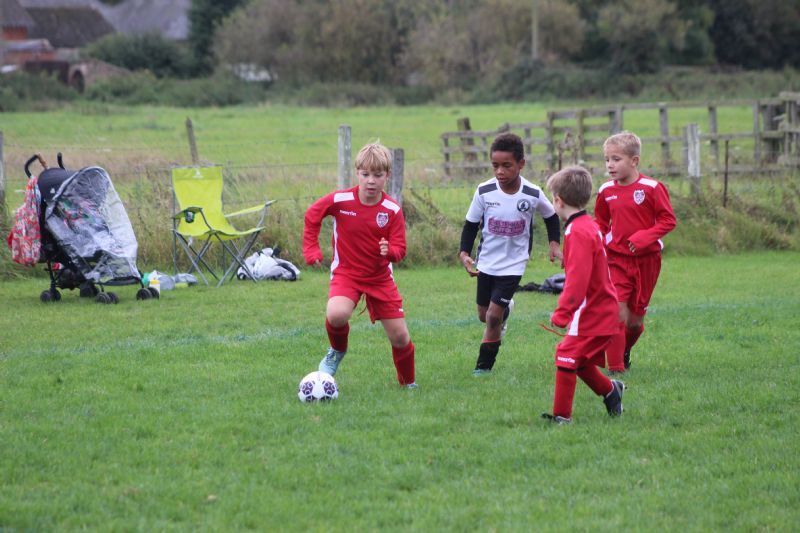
638	196
382	219
523	205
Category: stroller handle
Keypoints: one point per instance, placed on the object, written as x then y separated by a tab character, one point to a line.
33	158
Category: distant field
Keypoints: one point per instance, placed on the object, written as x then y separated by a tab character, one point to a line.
282	140
181	414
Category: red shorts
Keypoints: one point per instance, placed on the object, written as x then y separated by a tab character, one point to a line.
383	298
635	279
575	351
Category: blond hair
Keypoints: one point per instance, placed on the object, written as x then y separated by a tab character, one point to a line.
572	184
374	157
627	141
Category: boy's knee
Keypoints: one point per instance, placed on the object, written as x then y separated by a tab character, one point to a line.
337	319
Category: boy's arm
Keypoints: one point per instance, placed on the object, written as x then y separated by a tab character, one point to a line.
577	271
554	236
468	234
602	217
311	226
397	238
665	221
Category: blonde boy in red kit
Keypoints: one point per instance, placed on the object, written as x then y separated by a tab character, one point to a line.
369	234
634	212
587	307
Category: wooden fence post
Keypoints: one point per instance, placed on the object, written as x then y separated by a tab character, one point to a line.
469	157
615	120
345	157
398	170
3	208
549	140
757	139
692	147
192	141
712	131
663	120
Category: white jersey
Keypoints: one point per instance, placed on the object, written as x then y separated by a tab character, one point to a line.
506	225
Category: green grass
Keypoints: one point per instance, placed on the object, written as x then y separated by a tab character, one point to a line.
180	414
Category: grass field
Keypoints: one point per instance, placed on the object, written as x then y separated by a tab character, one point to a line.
181	414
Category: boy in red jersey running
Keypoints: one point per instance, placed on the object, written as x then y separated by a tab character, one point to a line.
588	305
634	212
369	234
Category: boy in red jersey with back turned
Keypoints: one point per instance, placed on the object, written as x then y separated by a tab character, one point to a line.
587	307
634	212
369	234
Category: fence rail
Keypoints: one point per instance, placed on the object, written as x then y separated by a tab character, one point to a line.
576	133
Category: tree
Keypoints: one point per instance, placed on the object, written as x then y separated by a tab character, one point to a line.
204	18
641	33
757	33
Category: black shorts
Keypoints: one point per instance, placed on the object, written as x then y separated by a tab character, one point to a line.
498	289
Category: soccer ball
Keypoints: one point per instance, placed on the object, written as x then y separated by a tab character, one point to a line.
317	386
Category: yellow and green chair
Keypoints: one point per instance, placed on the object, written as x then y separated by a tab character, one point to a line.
198	193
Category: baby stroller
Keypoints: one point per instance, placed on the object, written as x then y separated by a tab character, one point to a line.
87	240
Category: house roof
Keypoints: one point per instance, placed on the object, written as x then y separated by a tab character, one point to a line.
12	14
170	18
69	27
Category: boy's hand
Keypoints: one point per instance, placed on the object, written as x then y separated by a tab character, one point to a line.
384	244
553	321
316	264
468	264
555	253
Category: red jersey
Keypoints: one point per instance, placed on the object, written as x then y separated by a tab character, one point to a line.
357	231
588	304
640	213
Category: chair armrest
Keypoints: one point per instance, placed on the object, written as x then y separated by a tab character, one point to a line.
188	213
254	209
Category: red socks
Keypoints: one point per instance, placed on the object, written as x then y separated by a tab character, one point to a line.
596	380
338	336
632	335
565	392
565	387
404	363
615	351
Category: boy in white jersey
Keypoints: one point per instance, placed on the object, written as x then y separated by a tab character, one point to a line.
502	209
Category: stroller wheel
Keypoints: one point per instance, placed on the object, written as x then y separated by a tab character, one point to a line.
102	298
143	294
112	296
88	290
50	295
154	293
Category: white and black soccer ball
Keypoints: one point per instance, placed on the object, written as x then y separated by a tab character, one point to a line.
317	387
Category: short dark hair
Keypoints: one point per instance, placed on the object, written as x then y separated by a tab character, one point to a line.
509	142
572	184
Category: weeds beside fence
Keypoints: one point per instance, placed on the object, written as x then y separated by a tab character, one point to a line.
761	213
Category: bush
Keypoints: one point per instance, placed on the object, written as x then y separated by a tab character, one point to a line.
144	88
19	90
530	80
148	51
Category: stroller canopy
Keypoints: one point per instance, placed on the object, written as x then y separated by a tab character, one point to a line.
88	221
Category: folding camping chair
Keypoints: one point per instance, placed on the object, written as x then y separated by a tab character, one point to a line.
198	192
